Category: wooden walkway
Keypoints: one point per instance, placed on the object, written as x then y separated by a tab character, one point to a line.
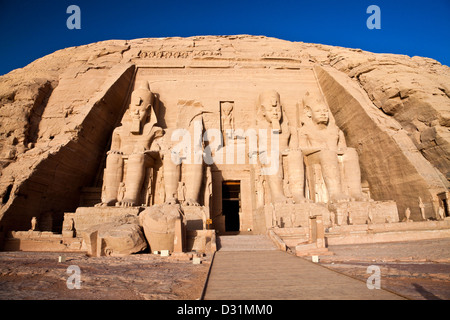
260	272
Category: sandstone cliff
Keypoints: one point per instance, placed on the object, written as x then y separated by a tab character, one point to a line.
57	114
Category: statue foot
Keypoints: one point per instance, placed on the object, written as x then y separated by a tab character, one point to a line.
360	197
125	203
282	200
171	201
301	199
191	202
107	203
339	197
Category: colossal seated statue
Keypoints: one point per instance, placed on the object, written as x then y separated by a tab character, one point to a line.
138	143
322	142
270	116
188	153
132	141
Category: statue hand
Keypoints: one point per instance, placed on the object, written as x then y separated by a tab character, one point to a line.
114	152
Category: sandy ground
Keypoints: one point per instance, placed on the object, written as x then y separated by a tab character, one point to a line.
39	276
418	270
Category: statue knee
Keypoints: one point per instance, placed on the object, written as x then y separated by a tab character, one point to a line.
351	154
136	159
113	159
327	155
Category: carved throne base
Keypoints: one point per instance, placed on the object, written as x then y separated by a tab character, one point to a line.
362	212
293	215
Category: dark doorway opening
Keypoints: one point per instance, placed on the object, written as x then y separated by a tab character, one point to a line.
447	213
231	204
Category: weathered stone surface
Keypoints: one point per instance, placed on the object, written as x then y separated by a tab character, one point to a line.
58	113
113	239
87	217
158	223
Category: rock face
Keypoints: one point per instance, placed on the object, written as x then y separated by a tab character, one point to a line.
57	115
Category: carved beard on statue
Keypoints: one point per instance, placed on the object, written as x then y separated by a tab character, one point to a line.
271	109
138	118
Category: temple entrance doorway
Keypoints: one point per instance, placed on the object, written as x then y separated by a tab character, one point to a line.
231	205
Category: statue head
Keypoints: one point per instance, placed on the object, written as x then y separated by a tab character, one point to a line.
227	107
140	104
317	110
269	102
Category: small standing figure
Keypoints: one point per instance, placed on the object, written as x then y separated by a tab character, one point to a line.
407	215
71	224
332	218
370	217
181	191
441	213
33	224
121	193
227	119
422	209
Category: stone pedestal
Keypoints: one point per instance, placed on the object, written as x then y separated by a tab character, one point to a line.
362	212
113	239
293	215
86	217
160	226
195	217
203	241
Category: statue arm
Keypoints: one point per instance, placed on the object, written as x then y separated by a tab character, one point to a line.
115	141
305	144
342	145
293	139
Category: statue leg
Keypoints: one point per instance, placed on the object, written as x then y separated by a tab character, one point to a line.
296	175
171	178
134	179
275	182
194	179
353	174
332	176
112	177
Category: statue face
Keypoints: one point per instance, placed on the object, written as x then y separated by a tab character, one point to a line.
319	113
270	102
139	107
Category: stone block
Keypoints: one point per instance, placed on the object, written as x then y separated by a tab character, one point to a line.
86	217
159	222
196	260
203	241
363	212
293	215
114	239
195	217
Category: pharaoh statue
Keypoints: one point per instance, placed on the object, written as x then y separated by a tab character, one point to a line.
133	141
322	142
187	153
270	116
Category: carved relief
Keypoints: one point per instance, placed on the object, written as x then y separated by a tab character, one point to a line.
227	119
161	54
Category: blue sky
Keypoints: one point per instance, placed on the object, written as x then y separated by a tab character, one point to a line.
31	29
